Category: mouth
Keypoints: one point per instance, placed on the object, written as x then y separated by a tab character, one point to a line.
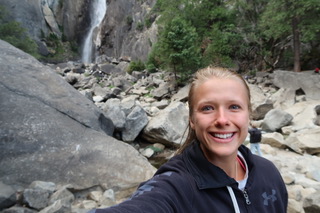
223	135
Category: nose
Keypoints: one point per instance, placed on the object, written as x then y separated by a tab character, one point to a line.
221	118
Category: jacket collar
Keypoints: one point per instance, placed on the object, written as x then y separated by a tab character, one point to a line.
205	173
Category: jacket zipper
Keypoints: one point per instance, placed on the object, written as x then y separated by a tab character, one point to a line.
246	196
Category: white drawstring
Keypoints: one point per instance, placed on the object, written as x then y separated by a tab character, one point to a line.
234	200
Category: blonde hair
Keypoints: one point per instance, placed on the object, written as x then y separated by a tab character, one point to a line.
200	77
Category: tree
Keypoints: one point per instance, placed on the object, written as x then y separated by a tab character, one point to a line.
291	21
180	48
247	13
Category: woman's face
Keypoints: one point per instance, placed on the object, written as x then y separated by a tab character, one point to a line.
221	116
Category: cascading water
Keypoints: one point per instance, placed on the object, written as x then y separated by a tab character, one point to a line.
97	13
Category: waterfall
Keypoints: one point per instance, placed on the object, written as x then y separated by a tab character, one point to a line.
97	13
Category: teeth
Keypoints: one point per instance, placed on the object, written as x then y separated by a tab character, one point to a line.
223	136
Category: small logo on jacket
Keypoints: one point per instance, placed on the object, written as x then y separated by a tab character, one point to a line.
268	198
148	186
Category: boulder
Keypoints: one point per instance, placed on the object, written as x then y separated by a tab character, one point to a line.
274	139
17	209
275	119
7	196
168	126
113	111
307	81
182	94
304	115
51	132
305	141
260	103
283	98
312	203
135	122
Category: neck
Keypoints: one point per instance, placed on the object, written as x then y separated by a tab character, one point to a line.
233	169
229	166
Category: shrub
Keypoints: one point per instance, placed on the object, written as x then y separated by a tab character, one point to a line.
136	66
140	26
16	35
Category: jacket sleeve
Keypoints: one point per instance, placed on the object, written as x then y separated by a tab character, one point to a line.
164	193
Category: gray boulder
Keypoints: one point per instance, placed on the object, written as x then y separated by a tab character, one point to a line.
135	122
113	110
260	103
274	139
312	203
168	126
308	82
17	209
304	115
305	141
36	198
7	196
275	119
51	132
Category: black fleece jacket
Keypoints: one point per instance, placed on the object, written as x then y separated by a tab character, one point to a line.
190	183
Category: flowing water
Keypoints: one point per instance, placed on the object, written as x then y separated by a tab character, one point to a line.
97	13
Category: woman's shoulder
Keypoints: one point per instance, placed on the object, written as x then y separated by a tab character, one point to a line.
174	165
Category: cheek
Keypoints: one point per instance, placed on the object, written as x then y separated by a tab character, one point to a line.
245	121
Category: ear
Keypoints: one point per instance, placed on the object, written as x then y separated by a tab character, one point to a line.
191	123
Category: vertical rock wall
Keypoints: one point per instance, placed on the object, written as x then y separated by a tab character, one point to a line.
124	32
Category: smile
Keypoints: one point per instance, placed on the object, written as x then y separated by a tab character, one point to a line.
223	136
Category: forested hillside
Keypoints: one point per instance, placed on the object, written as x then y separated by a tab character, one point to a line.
243	34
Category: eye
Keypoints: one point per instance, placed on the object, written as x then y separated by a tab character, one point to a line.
235	107
207	108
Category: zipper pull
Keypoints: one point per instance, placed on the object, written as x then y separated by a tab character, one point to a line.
246	196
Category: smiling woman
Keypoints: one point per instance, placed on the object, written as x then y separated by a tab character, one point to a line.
220	120
212	171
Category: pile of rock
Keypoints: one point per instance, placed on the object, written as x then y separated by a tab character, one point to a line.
76	166
288	114
142	105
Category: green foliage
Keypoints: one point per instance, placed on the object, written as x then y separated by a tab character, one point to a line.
13	33
129	20
252	35
276	25
180	46
154	60
223	47
148	22
59	50
136	66
190	33
140	26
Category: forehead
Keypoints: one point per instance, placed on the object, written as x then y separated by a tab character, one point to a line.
220	87
232	81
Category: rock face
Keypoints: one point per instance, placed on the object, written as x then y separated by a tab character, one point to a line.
51	132
41	16
123	34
